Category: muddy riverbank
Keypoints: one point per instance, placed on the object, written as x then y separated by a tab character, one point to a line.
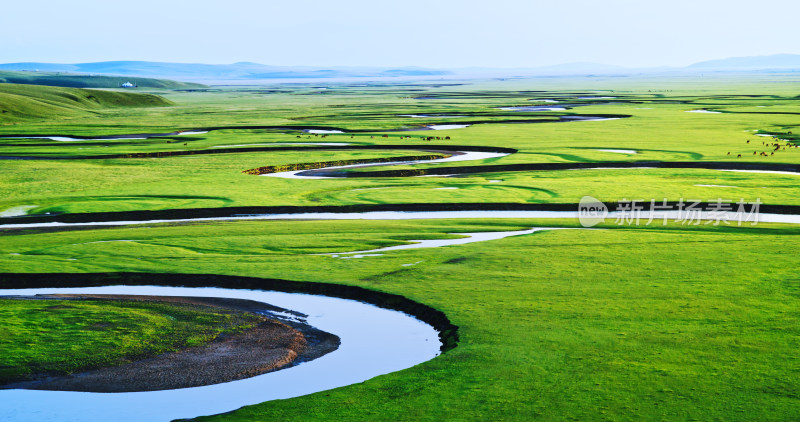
270	346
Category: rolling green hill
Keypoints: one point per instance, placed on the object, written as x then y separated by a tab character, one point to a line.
30	102
88	81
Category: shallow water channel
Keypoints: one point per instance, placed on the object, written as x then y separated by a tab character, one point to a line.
374	341
411	215
438	243
456	156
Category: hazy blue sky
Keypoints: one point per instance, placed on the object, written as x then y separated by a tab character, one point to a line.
437	33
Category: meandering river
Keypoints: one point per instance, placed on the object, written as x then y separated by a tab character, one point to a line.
374	341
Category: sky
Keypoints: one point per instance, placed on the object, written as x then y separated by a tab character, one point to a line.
426	33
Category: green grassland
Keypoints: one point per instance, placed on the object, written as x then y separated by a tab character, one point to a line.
88	81
628	322
675	322
66	336
33	102
660	129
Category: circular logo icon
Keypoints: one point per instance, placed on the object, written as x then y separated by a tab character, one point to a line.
591	211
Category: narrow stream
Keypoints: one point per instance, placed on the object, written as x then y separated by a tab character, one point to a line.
438	243
418	215
456	156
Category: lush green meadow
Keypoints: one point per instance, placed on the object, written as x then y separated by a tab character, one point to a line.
66	336
628	322
659	129
654	322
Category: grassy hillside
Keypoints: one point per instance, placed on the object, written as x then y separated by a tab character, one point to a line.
88	81
30	102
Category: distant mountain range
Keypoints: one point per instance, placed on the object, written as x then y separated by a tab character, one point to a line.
236	71
777	61
247	71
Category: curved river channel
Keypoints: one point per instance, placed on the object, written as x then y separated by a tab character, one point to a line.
374	341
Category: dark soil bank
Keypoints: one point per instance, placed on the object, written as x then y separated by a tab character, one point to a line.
448	332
